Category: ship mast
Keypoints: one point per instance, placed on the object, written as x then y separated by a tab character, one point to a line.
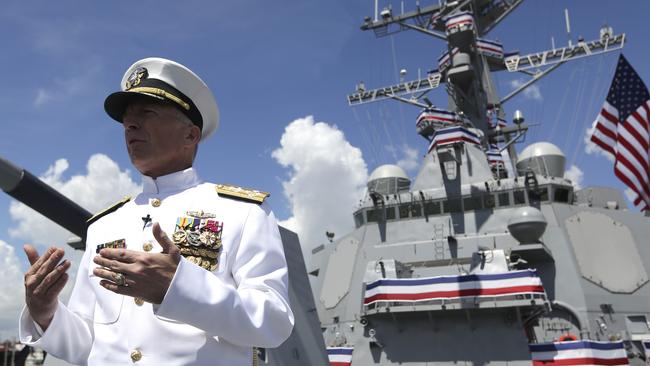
466	68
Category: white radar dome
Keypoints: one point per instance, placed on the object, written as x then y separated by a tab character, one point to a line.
388	171
388	179
542	158
527	224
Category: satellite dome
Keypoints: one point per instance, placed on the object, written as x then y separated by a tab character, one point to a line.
527	225
388	179
542	158
388	171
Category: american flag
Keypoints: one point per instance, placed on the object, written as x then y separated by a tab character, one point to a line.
622	129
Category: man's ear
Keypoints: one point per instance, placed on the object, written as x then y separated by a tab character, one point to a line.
193	135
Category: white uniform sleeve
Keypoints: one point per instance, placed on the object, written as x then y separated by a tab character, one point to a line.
254	313
69	336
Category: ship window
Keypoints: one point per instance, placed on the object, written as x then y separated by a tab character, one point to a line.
372	215
504	199
637	324
390	213
452	205
416	210
358	219
432	208
543	195
404	211
472	203
561	195
520	197
488	201
540	194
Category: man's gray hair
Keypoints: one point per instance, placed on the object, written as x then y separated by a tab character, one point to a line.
181	117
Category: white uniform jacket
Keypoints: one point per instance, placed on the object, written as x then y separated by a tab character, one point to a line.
206	317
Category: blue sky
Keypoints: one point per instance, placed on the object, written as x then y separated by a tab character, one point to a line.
269	64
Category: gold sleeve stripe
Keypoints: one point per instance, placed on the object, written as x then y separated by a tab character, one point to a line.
161	93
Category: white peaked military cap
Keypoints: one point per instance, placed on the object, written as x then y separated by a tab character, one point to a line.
169	81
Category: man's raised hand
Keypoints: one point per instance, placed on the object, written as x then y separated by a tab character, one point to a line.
44	280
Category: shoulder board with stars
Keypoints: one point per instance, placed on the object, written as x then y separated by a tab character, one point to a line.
245	194
108	210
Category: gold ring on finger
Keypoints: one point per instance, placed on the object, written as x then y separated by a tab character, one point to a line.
120	280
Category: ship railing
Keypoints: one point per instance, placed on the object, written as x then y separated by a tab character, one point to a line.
474	302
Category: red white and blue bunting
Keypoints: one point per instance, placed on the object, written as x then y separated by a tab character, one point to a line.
453	135
433	118
340	356
494	155
459	22
444	61
413	290
489	48
579	353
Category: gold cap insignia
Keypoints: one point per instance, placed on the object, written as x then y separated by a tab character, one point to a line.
136	77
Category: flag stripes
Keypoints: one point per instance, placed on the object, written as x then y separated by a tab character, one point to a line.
578	353
340	356
449	287
622	129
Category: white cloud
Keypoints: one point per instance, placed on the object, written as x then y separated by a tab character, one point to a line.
410	159
11	291
103	184
532	92
591	148
575	175
65	88
326	180
42	97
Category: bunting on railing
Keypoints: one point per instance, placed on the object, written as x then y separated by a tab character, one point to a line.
494	157
459	22
432	119
340	356
452	287
453	135
489	48
444	61
579	353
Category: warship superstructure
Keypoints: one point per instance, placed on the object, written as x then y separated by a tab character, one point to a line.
475	261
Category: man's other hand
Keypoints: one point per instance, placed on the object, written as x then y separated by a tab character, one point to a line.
146	275
44	280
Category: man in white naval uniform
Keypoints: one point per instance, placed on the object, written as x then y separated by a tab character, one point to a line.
186	273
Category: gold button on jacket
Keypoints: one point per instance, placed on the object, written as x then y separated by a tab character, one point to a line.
136	355
155	202
147	246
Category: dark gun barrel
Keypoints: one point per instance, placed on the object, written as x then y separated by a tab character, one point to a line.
28	189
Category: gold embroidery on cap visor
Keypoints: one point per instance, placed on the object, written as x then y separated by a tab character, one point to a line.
161	93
